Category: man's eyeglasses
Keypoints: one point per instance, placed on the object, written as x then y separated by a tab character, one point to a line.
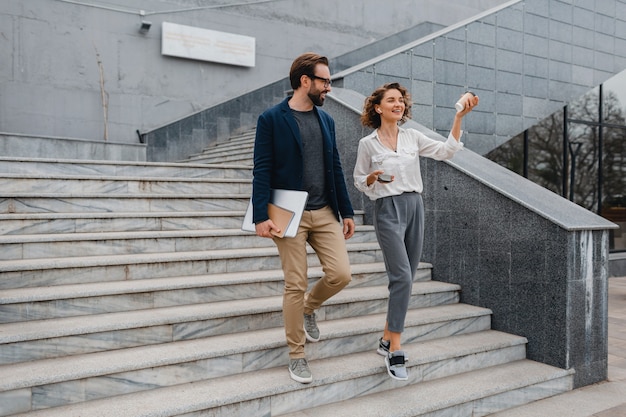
327	81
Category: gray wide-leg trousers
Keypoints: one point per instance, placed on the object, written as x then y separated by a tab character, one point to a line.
399	224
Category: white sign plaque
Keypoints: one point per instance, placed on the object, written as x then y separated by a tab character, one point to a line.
207	45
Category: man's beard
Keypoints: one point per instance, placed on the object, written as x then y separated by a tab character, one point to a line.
316	99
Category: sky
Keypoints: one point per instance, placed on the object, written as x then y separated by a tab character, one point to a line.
617	84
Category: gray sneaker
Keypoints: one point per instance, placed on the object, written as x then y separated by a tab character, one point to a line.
396	367
310	328
299	370
383	347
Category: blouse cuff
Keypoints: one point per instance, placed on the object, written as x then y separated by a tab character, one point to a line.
454	142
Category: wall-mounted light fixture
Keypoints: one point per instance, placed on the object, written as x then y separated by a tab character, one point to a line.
145	26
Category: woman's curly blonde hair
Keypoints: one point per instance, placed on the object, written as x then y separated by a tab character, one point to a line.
371	118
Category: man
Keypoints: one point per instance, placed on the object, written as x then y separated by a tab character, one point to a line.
295	149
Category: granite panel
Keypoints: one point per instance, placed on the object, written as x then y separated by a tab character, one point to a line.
422	69
480	124
608	8
541	8
582	38
584	58
481	78
496	295
509	40
457	34
582	18
528	320
449	50
604	23
423	114
604	64
604	42
422	95
535	46
380	79
425	50
511	18
481	55
509	88
396	66
448	73
484	33
510	61
561	12
560	51
620	33
537	24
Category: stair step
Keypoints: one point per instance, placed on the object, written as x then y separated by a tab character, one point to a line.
15	183
43	166
243	159
41	339
241	147
271	392
87	377
476	393
96	222
39	303
103	202
51	223
120	243
84	269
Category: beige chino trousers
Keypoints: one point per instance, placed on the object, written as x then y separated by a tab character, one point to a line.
324	233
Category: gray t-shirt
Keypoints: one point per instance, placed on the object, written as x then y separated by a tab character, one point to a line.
314	180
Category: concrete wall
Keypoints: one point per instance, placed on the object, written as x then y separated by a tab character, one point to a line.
50	75
539	261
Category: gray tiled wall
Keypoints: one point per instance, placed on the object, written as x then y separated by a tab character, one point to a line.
525	62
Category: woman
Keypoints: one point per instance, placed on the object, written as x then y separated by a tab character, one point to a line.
387	170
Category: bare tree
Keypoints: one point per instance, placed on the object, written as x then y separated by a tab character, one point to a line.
545	155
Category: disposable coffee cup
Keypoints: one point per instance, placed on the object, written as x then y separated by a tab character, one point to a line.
460	105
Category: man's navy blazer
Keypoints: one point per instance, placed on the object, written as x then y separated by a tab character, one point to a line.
278	160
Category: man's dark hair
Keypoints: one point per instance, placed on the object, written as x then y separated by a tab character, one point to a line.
304	65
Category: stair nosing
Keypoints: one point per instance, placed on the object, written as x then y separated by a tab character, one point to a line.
105	288
123	320
145	258
48	371
207	394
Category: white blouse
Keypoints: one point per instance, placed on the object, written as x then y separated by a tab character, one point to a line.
403	164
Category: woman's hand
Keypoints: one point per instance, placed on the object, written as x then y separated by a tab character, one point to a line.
373	176
470	101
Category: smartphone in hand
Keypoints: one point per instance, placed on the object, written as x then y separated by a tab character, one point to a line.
384	178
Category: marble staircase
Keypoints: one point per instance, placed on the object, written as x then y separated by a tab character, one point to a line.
128	289
238	149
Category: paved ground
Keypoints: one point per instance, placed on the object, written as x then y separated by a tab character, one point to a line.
605	399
